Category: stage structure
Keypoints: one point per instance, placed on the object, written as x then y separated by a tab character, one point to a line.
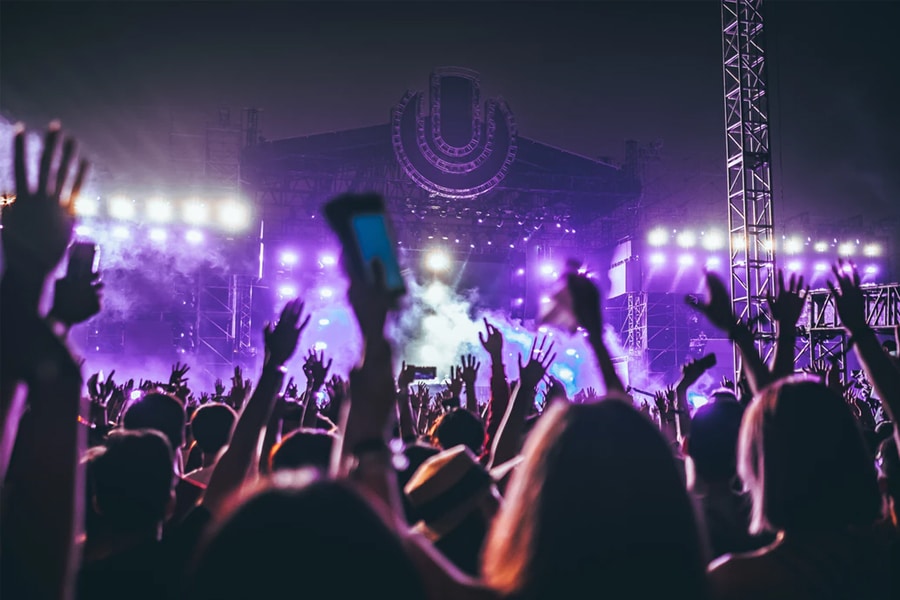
457	175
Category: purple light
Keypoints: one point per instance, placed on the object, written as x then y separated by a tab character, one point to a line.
194	236
519	301
158	234
319	346
794	266
547	269
871	270
327	260
520	272
287	291
713	262
326	292
324	322
686	260
821	267
657	258
121	232
289	258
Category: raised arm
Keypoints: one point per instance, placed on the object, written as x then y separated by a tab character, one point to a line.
404	404
316	370
586	306
786	307
881	370
492	341
469	374
244	450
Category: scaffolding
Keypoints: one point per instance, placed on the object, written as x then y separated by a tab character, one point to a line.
749	176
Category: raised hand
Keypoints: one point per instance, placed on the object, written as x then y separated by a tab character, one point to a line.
220	388
75	300
454	385
717	308
37	227
469	371
585	303
492	341
337	390
315	369
591	394
848	297
531	373
177	377
406	377
291	390
789	300
691	371
281	340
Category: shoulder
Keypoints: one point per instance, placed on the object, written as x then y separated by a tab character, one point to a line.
738	576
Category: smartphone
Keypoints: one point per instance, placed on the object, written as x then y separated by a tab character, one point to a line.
84	260
424	372
362	225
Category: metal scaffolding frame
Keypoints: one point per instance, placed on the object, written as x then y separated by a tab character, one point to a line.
749	176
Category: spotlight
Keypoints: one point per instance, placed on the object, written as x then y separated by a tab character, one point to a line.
547	269
657	258
121	232
566	374
821	267
520	272
713	262
195	212
571	352
686	260
158	235
121	208
847	249
545	299
872	250
324	322
696	400
871	270
658	237
794	266
234	215
319	346
713	240
287	291
159	210
326	292
519	301
737	240
289	258
768	244
686	239
437	260
87	207
327	260
194	236
793	245
821	247
82	230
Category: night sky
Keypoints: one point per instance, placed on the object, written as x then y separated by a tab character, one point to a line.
580	76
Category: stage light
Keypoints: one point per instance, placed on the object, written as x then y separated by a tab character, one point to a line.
324	322
793	245
519	301
566	374
686	239
545	299
571	352
289	258
87	207
195	212
326	292
847	249
121	208
737	240
713	240
327	260
158	235
287	291
159	210
234	215
437	261
658	237
768	244
319	346
686	260
821	247
872	250
547	269
82	230
121	232
657	258
520	272
194	236
821	267
713	262
871	270
794	266
696	400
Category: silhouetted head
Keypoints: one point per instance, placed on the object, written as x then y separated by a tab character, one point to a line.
299	535
130	480
456	427
302	448
803	460
597	504
211	427
162	412
712	444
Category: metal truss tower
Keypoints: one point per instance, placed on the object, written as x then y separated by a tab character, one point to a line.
752	239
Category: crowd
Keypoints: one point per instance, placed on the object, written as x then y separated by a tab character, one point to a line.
785	485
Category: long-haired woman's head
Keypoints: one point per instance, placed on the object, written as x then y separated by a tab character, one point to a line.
803	460
598	503
304	536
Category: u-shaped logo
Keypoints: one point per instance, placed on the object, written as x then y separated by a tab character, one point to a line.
455	152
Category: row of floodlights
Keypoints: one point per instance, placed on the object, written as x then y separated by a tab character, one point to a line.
715	240
229	214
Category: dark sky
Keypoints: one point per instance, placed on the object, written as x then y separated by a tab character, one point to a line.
583	76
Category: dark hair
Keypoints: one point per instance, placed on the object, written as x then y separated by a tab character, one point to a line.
803	460
597	501
712	444
211	426
302	448
162	412
131	479
301	531
456	427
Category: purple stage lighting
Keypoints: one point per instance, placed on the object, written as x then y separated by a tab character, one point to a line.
520	271
121	208
195	212
289	258
159	211
327	260
326	292
519	301
82	230
713	240
547	269
713	262
324	322
821	267
871	270
158	235
686	260
657	258
319	346
193	236
794	266
287	291
686	239
121	232
87	207
657	237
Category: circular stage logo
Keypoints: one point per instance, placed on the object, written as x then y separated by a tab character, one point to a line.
457	151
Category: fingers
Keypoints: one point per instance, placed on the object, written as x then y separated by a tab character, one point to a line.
19	170
64	164
521	366
50	142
